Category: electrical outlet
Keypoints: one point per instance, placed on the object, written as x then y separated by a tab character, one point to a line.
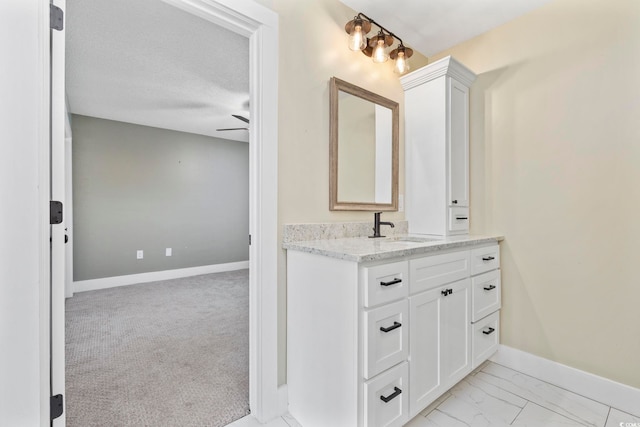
140	254
400	203
167	252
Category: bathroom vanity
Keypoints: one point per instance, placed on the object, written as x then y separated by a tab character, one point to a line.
377	329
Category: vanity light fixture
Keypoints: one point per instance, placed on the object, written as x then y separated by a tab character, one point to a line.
375	47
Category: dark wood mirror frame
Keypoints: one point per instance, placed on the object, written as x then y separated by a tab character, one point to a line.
336	86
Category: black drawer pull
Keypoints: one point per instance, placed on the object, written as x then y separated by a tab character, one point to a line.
446	292
454	202
396	325
489	332
460	218
396	393
490	288
488	258
393	282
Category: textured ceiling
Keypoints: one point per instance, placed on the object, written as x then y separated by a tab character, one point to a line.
149	63
431	26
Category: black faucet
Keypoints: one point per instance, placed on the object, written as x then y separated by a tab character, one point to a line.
377	223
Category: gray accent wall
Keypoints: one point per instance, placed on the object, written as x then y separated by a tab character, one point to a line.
137	187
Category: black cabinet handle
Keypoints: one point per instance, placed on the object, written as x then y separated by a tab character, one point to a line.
489	332
454	202
490	288
446	292
393	282
488	258
396	325
396	393
460	218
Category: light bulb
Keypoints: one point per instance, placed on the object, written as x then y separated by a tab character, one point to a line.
379	55
356	38
402	63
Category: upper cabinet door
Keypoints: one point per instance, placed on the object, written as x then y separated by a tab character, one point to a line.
458	150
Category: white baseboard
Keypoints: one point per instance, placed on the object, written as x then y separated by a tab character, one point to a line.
617	395
131	279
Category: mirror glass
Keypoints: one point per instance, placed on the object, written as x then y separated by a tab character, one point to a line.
364	149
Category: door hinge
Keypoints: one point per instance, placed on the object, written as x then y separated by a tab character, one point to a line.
56	18
55	212
249	239
57	406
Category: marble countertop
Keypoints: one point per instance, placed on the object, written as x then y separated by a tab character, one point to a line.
362	249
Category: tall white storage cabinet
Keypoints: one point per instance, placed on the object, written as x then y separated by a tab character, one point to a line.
437	148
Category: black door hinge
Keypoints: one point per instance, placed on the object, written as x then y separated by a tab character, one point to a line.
249	239
56	18
57	406
55	212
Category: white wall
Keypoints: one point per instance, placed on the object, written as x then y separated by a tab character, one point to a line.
313	48
21	107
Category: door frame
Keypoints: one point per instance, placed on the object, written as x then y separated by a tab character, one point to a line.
260	26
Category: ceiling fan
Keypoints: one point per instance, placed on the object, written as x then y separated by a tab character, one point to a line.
244	119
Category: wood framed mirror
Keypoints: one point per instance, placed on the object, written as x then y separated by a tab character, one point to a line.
363	149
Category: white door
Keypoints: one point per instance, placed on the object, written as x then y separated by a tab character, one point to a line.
57	194
261	26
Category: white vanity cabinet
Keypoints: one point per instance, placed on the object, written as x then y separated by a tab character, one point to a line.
437	147
373	343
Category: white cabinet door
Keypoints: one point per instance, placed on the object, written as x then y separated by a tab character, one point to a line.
425	317
458	144
456	338
439	342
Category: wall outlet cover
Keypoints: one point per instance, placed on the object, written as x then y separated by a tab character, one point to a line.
139	254
168	252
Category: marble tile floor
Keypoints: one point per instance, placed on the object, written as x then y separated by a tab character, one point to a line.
496	396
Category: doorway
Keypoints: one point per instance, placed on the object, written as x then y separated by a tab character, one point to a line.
260	26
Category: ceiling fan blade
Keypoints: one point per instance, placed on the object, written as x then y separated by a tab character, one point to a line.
220	130
244	119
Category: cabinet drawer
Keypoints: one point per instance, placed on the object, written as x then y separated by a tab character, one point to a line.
386	282
485	259
386	337
386	400
459	220
430	272
485	337
485	294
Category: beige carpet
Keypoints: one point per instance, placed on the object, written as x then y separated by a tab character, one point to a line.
170	353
